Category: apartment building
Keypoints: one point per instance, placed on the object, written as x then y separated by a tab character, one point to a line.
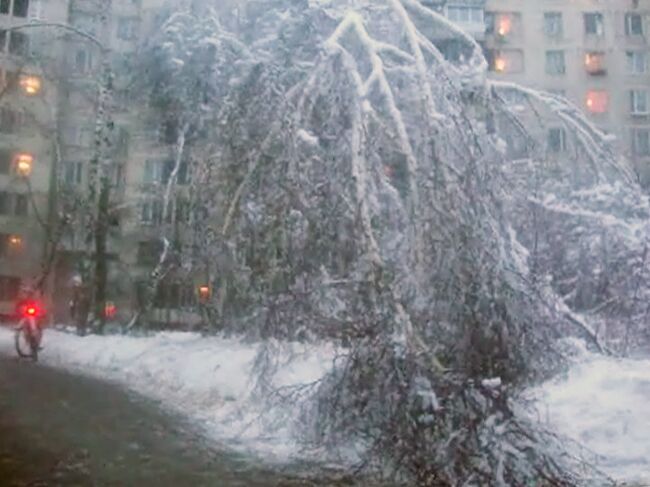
27	143
594	52
141	158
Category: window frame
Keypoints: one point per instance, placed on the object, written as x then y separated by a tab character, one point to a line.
637	100
562	145
630	17
598	21
563	66
559	23
631	64
597	92
636	131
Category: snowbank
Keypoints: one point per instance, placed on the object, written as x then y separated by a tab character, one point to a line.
603	404
208	380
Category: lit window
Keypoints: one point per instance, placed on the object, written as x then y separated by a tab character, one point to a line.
15	241
553	24
555	63
594	24
637	62
506	61
31	85
633	24
504	25
595	63
639	102
24	163
641	142
597	101
204	293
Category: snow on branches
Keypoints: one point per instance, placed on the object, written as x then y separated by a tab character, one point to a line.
355	184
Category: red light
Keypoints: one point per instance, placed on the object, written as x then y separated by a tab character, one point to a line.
32	310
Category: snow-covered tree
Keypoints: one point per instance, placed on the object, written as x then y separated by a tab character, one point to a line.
182	85
355	186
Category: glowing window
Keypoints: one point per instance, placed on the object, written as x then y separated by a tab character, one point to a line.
597	101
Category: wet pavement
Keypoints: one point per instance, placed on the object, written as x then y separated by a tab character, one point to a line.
58	429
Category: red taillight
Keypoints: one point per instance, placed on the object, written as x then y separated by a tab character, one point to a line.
32	310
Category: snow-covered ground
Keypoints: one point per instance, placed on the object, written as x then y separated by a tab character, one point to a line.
601	403
604	404
208	380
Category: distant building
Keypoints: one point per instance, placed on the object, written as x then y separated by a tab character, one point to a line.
594	52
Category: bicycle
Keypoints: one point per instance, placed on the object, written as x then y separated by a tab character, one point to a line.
29	332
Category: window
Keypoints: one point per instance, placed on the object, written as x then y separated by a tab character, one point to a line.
152	212
633	24
4	246
183	210
5	207
597	101
506	60
21	8
594	24
149	252
465	14
153	172
18	43
555	63
641	142
21	205
72	173
556	140
502	24
639	102
637	62
553	24
4	6
595	63
83	61
182	176
127	28
9	288
175	295
85	22
6	160
10	120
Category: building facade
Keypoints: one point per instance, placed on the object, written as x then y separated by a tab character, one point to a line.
596	53
28	113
